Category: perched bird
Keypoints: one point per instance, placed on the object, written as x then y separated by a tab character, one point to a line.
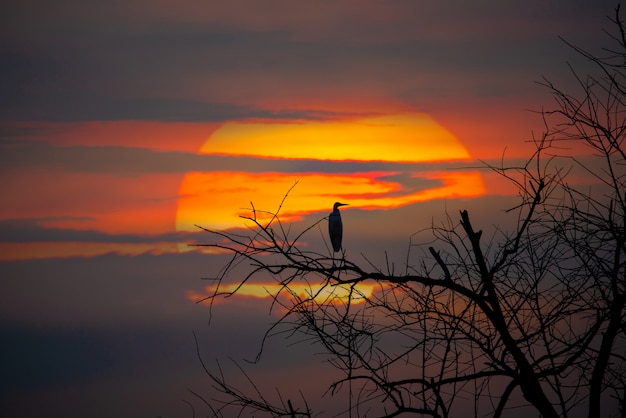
335	228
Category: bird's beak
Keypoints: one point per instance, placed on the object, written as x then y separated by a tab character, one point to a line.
343	204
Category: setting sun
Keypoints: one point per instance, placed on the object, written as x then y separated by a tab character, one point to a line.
413	137
218	199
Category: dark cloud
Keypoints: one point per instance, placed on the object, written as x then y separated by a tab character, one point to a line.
77	107
188	71
96	291
19	155
41	357
94	336
31	230
410	183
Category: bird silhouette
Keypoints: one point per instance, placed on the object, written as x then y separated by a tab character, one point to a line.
335	227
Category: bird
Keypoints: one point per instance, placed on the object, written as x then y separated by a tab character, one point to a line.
335	227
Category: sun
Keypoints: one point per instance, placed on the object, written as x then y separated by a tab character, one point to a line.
414	137
372	163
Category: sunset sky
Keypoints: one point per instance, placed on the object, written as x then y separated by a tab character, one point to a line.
125	123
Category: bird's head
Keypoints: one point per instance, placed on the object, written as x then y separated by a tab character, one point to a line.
337	204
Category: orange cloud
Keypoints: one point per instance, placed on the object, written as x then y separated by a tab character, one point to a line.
164	136
68	249
141	204
216	200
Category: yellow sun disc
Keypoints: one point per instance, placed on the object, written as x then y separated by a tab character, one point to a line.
413	137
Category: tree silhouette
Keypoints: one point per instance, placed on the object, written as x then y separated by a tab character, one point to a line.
471	324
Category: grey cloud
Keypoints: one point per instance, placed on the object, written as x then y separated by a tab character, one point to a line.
112	331
41	358
16	155
70	107
410	183
107	73
31	230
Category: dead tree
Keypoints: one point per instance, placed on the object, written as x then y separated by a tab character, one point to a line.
533	315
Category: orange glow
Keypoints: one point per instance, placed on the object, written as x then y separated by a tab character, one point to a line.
155	135
41	250
319	292
412	137
215	200
141	204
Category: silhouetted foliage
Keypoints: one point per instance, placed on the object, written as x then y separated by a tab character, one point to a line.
538	310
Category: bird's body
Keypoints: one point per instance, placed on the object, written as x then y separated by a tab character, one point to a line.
335	227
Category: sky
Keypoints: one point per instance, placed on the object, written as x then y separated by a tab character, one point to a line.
124	124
